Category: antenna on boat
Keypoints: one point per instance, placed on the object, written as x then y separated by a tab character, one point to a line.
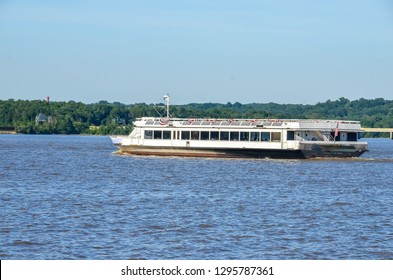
166	98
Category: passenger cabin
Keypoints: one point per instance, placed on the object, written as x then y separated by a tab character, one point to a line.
246	130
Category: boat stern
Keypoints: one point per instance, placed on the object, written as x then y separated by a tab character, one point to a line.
321	149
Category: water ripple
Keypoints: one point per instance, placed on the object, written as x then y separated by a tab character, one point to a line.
72	197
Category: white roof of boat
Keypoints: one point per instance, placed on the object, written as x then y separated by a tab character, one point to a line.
265	123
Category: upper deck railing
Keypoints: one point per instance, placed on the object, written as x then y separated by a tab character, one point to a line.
213	120
311	124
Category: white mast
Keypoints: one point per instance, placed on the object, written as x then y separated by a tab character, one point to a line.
166	98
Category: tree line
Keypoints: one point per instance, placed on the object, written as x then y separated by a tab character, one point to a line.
103	118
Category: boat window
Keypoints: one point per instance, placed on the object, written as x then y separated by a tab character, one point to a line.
265	136
205	123
148	134
276	136
224	135
213	135
197	123
234	136
166	134
235	123
204	135
194	135
254	136
157	134
290	135
352	136
185	135
244	136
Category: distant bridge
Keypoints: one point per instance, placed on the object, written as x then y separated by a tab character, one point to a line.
388	130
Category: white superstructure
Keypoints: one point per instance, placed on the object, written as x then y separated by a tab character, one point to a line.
257	138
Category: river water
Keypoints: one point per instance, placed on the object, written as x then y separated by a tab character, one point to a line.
72	197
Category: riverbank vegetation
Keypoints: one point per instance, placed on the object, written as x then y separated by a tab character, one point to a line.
102	118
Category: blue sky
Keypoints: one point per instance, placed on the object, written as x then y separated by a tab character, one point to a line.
284	51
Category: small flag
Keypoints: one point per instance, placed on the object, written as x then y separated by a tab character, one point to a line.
336	132
164	121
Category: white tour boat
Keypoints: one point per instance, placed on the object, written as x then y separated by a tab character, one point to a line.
242	138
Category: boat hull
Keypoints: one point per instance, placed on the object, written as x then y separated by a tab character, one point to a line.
308	151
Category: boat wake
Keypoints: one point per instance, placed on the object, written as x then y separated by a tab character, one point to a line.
355	159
